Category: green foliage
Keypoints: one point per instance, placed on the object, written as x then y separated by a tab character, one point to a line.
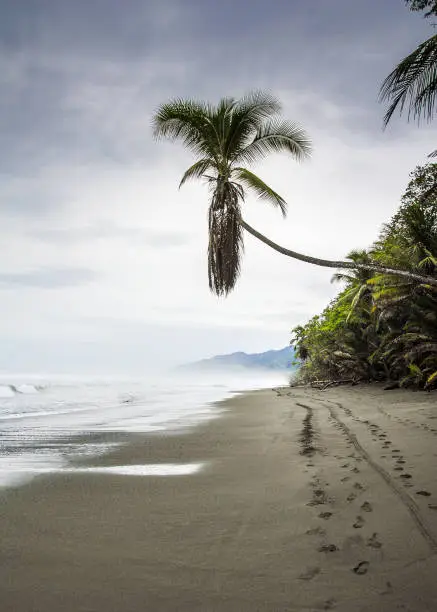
223	138
430	6
412	85
382	327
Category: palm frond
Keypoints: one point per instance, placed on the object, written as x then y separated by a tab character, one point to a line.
263	191
357	297
413	83
274	137
339	277
197	170
430	6
359	256
423	348
248	115
188	121
432	378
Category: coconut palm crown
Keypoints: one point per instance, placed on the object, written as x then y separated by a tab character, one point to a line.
225	139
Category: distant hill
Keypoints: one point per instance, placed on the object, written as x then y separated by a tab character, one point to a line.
281	359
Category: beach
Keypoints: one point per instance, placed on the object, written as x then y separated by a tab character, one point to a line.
298	500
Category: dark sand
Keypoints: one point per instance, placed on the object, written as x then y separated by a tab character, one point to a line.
300	507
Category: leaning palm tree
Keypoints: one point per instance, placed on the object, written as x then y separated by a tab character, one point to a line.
225	139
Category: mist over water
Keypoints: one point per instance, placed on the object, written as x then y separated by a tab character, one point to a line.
46	422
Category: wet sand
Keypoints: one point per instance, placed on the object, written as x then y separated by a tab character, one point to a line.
307	501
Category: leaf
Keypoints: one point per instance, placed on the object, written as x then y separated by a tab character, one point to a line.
190	122
413	83
197	170
276	137
431	378
261	189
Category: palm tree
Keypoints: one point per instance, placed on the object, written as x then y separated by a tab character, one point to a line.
225	138
358	291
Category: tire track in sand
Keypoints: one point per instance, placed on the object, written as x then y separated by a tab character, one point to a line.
408	502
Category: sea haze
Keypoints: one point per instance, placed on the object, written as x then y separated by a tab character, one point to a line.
49	423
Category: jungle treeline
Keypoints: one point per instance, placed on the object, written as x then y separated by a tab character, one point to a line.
382	327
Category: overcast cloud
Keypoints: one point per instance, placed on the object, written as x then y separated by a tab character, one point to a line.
102	258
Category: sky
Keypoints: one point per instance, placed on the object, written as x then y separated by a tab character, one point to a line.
103	259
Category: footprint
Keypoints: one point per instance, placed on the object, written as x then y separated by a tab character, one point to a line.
366	507
424	493
355	470
389	588
345	479
328	548
329	604
398	469
359	522
361	568
432	506
358	486
406	476
319	498
325	515
400	461
316	531
310	573
373	541
351	497
345	465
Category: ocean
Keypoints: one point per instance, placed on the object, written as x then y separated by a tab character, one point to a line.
47	423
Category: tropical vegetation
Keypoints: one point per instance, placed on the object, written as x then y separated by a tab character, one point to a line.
382	327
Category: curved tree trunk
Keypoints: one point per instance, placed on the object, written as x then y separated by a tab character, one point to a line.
327	263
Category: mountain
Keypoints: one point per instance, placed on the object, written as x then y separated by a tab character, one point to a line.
281	359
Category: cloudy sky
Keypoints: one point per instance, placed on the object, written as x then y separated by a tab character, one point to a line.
102	259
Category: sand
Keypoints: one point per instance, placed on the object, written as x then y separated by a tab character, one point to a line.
307	500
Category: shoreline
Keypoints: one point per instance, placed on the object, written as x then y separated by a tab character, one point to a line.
305	501
57	429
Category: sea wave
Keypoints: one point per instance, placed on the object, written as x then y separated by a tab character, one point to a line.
42	420
12	390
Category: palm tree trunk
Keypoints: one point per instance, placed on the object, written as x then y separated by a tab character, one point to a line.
327	263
